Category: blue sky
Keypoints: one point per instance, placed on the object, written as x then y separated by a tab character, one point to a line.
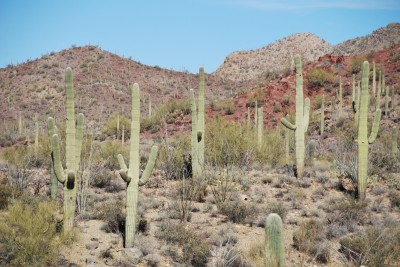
179	34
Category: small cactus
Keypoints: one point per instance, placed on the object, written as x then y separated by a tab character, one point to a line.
132	175
274	246
260	127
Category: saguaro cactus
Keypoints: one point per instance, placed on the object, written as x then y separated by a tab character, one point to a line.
322	122
260	127
53	178
132	176
395	150
373	79
302	118
196	136
36	138
387	93
274	246
363	140
339	96
73	147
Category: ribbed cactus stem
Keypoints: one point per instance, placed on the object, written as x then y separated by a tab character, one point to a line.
117	134
131	175
356	103
287	142
260	127
353	95
322	122
194	142
201	119
373	79
363	140
339	95
395	150
248	117
378	94
255	112
36	138
387	93
53	178
20	124
274	245
302	118
73	147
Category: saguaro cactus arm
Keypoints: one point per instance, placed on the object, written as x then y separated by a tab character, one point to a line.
123	169
58	169
375	126
149	166
287	124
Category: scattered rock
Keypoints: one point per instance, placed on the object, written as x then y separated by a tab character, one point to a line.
92	246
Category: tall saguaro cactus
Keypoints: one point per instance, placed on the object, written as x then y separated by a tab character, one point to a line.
363	139
274	246
73	147
53	178
200	117
260	127
132	175
196	135
302	118
339	95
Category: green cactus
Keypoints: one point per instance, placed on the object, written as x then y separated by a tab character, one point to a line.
132	175
274	245
255	112
356	103
19	124
363	140
201	119
36	138
117	126
387	93
322	122
53	178
287	142
248	117
260	127
373	79
73	147
333	103
395	150
196	135
378	94
302	118
353	99
339	96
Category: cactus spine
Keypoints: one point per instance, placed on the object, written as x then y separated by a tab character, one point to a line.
302	118
132	176
274	246
322	123
363	139
53	178
73	147
260	127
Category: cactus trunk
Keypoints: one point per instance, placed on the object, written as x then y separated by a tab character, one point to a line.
322	122
194	142
363	141
132	176
260	127
201	120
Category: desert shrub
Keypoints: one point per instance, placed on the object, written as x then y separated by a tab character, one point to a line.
228	143
101	177
318	77
375	246
394	197
239	211
223	183
111	213
109	151
227	105
110	128
194	251
278	208
9	135
258	95
356	64
28	234
7	193
174	157
309	238
273	148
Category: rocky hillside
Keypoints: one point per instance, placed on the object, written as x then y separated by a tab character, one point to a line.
275	58
101	80
378	40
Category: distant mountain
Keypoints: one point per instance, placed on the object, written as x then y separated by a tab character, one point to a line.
102	82
378	40
272	59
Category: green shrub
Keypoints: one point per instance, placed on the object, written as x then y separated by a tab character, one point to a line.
356	64
238	211
111	213
101	177
227	105
108	153
318	77
28	234
111	126
258	95
273	148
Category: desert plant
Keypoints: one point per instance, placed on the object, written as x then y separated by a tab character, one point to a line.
363	140
274	246
260	127
318	77
73	146
302	118
53	178
132	176
322	121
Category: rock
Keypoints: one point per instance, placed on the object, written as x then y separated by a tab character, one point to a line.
92	245
133	253
91	261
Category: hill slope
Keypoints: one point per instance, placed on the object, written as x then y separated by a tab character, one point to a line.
378	40
273	58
